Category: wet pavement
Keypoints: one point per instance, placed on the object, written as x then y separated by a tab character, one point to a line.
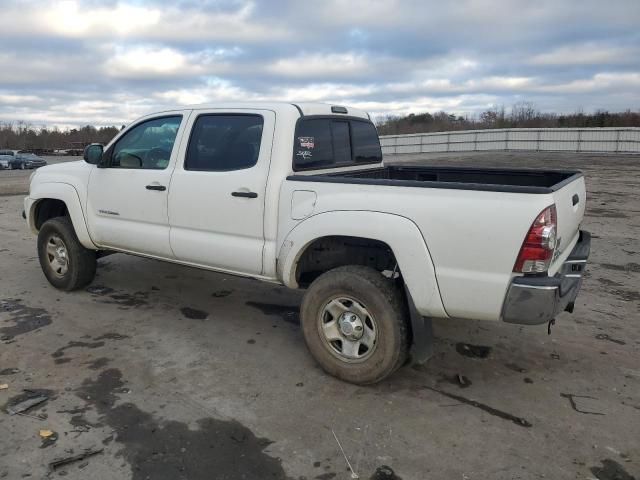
166	372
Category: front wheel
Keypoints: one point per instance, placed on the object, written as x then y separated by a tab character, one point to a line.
354	322
66	263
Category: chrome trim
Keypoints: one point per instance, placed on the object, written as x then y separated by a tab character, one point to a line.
533	300
534	287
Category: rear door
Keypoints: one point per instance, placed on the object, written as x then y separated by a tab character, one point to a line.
217	193
127	196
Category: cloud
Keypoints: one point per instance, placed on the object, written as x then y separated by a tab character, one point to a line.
159	21
588	54
108	61
314	66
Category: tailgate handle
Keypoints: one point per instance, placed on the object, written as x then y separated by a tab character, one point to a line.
575	199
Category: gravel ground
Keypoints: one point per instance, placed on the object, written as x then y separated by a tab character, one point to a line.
176	373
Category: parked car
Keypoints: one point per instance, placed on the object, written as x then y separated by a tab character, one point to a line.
27	161
5	161
298	194
8	157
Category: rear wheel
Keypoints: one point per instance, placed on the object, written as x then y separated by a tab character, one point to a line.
64	261
354	322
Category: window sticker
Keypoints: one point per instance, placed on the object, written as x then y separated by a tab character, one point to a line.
306	142
304	154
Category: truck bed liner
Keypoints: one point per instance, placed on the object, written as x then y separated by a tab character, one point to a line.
461	178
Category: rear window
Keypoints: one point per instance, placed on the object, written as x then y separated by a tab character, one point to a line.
334	142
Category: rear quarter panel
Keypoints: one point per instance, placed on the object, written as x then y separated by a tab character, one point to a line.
472	237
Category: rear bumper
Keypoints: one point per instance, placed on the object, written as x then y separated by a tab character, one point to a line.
536	300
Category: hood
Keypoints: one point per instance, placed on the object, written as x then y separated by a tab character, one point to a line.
65	167
74	173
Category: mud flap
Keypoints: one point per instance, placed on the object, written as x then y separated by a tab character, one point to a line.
422	334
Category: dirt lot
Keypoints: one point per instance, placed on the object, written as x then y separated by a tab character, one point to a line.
178	373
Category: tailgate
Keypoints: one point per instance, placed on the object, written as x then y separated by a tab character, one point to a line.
570	199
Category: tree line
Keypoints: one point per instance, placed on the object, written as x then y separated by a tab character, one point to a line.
520	115
24	136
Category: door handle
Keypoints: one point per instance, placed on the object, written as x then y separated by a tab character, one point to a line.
575	199
160	188
244	194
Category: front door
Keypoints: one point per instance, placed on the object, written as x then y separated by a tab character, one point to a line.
127	197
217	192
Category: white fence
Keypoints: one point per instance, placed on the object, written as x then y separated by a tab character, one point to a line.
610	140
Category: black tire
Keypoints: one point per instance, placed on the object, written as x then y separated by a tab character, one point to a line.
80	263
382	299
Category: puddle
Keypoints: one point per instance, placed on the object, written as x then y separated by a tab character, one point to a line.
515	367
166	450
222	293
611	470
109	295
473	351
112	336
194	313
99	290
610	283
384	473
288	313
604	212
25	319
629	267
74	344
98	363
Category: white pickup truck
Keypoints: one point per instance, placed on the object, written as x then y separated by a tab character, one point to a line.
298	194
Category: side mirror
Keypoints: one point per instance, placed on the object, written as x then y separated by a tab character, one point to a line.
93	153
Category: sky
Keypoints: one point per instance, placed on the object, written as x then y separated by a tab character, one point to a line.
107	62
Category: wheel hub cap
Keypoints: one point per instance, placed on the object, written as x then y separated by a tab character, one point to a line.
348	329
351	326
57	256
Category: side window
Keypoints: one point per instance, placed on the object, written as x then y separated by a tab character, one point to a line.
313	146
147	145
366	145
224	142
330	143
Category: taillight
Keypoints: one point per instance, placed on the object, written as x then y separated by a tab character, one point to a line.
537	250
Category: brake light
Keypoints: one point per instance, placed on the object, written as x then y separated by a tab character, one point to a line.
537	250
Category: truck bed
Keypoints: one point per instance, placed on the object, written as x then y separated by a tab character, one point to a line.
461	178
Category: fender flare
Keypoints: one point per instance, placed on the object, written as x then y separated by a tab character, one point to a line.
66	193
401	234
